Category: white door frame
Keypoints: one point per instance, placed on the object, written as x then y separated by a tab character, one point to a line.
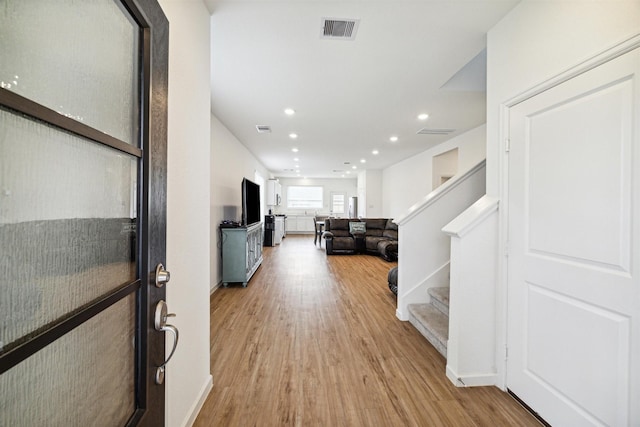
503	238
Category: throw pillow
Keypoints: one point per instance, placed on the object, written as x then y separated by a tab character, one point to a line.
357	227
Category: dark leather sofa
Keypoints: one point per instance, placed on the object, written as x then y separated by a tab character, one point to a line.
380	237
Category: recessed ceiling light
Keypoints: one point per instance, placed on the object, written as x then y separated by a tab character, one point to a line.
348	172
363	161
342	176
393	139
375	152
354	167
293	135
294	149
423	116
289	111
295	159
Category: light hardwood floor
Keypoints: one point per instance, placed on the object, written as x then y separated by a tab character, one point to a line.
314	341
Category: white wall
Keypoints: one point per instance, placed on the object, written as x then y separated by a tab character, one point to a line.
540	39
188	379
361	192
230	162
409	181
370	193
338	185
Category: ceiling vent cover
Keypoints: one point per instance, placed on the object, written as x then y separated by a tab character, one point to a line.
426	131
339	29
263	129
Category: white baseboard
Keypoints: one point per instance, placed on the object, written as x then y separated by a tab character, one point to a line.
418	294
400	315
197	405
471	380
215	287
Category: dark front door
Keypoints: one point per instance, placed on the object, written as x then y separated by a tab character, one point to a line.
83	88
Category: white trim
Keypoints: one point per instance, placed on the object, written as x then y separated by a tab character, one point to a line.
197	405
503	239
471	217
471	380
438	193
596	60
215	287
401	316
418	294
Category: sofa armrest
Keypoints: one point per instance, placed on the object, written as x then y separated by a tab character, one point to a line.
388	249
328	242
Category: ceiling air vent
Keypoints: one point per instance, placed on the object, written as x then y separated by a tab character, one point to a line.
263	129
426	131
339	29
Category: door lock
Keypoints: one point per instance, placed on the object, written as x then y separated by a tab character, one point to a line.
162	276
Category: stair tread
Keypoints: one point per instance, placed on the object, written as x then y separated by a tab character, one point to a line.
441	294
440	298
432	324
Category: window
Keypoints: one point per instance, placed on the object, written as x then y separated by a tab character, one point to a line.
338	203
304	197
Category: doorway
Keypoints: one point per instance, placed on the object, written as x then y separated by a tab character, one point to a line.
444	167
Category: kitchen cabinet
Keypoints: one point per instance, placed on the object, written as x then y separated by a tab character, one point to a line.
274	192
241	253
301	224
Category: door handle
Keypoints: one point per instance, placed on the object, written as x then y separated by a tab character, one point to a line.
161	325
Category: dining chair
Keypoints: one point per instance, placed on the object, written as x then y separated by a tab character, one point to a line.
318	225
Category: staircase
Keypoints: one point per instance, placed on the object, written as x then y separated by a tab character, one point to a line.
432	319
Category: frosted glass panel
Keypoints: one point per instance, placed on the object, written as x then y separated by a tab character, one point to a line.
85	378
67	224
79	58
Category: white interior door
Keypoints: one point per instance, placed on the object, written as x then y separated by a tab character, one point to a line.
574	248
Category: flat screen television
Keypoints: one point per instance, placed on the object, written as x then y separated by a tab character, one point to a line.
250	202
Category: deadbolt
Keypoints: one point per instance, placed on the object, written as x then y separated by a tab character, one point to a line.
162	276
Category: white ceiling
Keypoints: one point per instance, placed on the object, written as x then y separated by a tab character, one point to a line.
350	97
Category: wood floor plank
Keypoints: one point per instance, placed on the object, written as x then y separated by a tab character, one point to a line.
314	341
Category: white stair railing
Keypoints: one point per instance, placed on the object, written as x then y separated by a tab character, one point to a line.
423	249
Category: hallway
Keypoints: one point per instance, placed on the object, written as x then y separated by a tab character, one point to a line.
314	340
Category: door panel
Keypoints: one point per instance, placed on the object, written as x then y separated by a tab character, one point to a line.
576	161
574	298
